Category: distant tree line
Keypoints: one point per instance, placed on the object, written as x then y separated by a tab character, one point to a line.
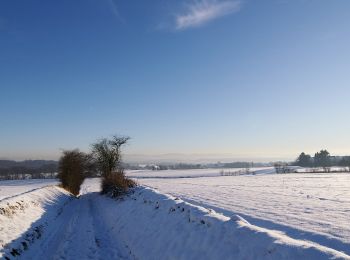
322	159
240	165
189	166
30	169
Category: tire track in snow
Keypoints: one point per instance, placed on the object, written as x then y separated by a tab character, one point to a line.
110	247
79	240
78	233
53	235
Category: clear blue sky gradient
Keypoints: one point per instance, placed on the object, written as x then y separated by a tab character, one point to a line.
270	79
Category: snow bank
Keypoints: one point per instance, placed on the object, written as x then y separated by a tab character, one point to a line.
12	188
158	226
23	218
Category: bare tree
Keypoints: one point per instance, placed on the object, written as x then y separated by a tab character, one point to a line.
107	153
281	167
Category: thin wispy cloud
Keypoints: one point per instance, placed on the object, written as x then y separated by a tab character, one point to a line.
204	11
114	9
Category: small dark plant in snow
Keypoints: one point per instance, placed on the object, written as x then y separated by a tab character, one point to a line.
107	153
73	167
116	184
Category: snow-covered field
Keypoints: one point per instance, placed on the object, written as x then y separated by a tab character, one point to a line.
15	187
315	207
263	216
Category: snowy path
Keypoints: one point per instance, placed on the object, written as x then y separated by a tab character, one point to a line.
79	233
72	229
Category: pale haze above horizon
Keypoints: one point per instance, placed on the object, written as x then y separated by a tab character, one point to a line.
187	80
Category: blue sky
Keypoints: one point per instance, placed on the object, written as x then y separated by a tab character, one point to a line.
232	78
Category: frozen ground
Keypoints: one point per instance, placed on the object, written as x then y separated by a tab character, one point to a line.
306	206
15	187
48	223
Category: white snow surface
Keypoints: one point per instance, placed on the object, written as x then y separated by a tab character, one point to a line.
145	224
24	217
15	187
179	230
314	206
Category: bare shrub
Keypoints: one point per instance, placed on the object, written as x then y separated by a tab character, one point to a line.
107	153
73	167
116	184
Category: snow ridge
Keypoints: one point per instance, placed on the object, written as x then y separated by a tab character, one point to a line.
24	218
160	226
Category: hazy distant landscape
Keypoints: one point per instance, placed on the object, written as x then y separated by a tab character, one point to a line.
304	206
298	208
187	129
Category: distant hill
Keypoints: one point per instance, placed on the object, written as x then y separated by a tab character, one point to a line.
32	164
22	169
